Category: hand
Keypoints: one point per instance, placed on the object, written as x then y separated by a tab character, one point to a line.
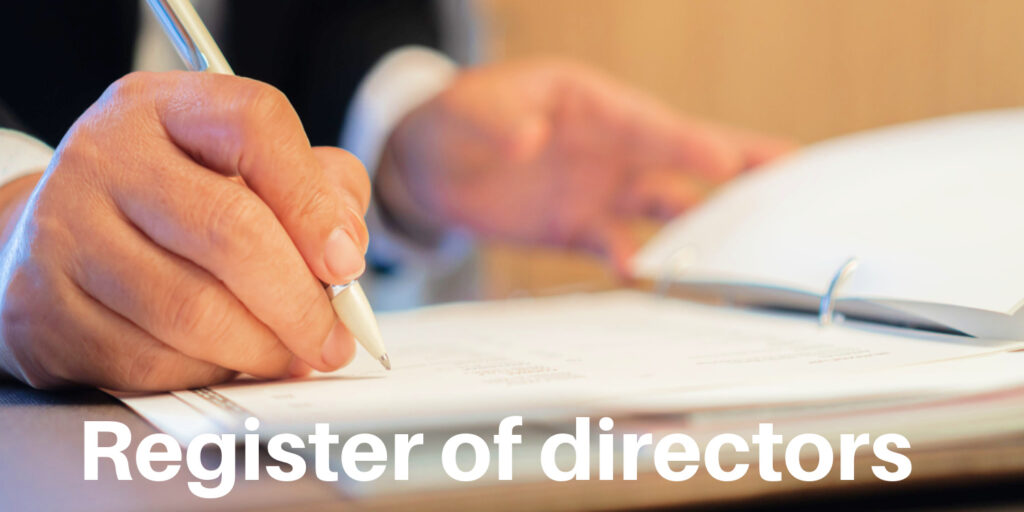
553	153
177	238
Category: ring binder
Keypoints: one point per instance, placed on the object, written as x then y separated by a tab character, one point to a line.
827	307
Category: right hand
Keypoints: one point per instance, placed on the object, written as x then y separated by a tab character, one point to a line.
178	237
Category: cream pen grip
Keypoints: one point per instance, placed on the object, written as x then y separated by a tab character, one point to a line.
351	305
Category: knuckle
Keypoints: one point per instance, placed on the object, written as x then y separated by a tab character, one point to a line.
266	359
261	354
234	222
130	89
129	85
82	148
39	378
263	118
34	367
36	374
28	334
144	370
307	317
314	202
94	144
311	315
261	103
198	314
16	314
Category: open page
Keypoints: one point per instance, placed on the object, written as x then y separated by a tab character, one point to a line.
931	210
564	355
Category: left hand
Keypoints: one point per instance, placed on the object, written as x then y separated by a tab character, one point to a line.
554	153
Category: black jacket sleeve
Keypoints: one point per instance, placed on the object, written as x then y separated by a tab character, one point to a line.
317	51
7	119
61	54
58	57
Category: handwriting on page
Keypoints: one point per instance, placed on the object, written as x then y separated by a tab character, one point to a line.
569	352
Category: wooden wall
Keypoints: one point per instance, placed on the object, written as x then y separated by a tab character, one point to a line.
809	69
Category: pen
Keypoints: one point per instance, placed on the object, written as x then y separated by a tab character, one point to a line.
196	47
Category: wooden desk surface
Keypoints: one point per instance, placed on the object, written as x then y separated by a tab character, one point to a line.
41	469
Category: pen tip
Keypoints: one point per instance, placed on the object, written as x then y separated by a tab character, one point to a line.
385	361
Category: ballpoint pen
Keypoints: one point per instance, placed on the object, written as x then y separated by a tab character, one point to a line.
196	47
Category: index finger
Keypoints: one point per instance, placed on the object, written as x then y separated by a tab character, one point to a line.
243	127
651	135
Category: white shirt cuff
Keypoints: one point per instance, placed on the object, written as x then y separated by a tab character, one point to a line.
21	155
402	80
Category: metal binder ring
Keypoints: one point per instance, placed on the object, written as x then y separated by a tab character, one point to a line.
676	263
826	310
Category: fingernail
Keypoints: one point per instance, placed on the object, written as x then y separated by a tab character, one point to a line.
344	257
359	232
338	348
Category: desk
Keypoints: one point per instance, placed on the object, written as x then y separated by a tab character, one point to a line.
41	469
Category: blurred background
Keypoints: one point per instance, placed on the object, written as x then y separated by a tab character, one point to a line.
809	69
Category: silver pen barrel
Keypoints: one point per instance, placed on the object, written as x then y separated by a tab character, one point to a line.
199	53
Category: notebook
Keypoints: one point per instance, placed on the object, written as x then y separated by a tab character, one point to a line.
917	225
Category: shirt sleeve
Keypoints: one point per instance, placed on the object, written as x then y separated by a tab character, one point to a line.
400	273
20	155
